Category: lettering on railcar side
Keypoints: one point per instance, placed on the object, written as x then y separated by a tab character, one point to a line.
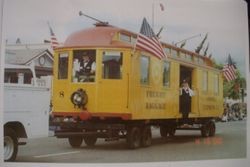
155	105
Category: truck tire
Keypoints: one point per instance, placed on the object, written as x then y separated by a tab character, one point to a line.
164	130
75	141
212	128
133	137
10	145
146	138
205	130
171	131
90	140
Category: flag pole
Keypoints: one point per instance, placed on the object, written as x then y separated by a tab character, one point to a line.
153	15
133	52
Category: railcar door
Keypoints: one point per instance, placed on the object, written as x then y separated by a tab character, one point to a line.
189	75
113	82
61	82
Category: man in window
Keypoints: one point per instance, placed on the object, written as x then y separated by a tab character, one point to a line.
87	69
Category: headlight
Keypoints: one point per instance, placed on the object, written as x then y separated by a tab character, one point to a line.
79	98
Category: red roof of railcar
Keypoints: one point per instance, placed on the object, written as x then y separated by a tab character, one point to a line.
95	37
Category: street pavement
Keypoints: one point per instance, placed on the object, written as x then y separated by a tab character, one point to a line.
228	143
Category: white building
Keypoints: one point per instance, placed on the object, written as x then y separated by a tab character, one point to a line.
39	55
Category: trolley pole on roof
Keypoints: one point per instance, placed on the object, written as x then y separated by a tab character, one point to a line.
184	40
95	19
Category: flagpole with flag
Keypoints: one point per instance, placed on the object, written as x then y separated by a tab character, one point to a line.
53	40
229	70
148	41
153	13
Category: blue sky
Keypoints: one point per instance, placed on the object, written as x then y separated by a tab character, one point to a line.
224	20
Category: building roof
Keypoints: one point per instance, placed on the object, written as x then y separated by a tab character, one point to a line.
24	56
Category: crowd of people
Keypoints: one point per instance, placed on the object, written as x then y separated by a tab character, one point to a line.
234	112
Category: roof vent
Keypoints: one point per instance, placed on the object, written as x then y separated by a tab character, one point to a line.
101	24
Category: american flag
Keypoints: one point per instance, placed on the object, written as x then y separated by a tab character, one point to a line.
53	40
229	70
148	41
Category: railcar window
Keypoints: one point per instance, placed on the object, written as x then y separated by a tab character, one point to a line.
125	37
166	74
182	55
174	53
84	66
144	65
112	65
200	60
188	57
195	59
167	51
205	81
216	84
133	40
63	66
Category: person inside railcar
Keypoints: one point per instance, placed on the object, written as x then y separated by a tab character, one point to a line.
87	69
185	100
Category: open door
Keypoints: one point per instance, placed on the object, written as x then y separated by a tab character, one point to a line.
190	75
186	74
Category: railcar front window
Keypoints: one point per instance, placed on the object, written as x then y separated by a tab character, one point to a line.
84	66
112	65
63	66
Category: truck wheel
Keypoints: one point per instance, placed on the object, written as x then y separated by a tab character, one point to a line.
172	131
164	130
90	140
205	130
146	139
10	145
134	137
75	141
212	128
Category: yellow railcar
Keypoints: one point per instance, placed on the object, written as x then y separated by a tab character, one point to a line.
129	89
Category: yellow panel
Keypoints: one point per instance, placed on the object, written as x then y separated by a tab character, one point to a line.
127	95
